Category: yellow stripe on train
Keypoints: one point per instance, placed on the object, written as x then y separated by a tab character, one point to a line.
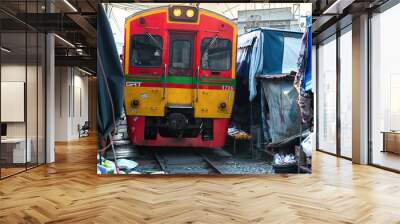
151	101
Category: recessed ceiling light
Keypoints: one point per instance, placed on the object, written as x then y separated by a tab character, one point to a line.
84	71
64	40
338	6
70	5
5	50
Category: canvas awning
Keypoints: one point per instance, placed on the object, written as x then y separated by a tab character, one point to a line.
267	52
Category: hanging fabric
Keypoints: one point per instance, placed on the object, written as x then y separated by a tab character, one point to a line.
283	118
303	79
110	79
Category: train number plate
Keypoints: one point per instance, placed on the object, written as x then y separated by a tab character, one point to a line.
227	87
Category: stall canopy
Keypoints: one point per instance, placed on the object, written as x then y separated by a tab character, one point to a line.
267	52
110	79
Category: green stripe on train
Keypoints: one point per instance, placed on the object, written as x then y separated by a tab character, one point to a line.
180	80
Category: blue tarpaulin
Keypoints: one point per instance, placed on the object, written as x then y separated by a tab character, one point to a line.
110	79
307	83
267	52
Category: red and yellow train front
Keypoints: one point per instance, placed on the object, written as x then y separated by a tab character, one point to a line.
179	64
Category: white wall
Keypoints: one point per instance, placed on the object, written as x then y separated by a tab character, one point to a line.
81	84
16	73
62	80
33	126
10	73
71	94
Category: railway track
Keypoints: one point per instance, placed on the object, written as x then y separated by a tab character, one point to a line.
183	160
190	161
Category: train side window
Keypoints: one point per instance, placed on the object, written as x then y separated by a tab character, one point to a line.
216	54
146	51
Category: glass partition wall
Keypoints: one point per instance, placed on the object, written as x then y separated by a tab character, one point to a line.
385	90
334	94
345	92
22	77
327	95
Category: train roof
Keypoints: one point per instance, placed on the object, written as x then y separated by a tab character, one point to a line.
166	7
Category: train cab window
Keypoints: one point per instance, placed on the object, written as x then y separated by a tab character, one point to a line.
216	54
146	51
181	58
181	55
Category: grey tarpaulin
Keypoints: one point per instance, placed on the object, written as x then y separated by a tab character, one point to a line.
282	114
110	79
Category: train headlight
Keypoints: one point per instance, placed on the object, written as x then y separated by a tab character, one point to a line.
222	106
177	12
190	13
183	14
135	103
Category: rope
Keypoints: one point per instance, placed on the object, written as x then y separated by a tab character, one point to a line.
113	112
115	157
281	108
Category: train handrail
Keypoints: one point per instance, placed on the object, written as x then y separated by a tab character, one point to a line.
165	80
197	83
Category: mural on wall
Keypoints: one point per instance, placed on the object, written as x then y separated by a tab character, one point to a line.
192	91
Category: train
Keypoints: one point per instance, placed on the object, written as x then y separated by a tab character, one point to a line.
179	66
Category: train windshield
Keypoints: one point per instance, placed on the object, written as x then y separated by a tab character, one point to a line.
216	54
146	51
181	54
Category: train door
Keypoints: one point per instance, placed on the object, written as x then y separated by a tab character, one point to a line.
180	69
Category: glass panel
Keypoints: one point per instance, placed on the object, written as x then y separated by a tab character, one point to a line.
346	94
181	54
23	89
181	57
41	99
216	54
385	84
31	97
32	89
327	96
146	51
13	87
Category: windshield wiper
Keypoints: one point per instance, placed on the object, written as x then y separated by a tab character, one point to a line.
158	45
209	45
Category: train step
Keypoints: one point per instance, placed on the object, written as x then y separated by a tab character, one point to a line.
122	152
122	142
